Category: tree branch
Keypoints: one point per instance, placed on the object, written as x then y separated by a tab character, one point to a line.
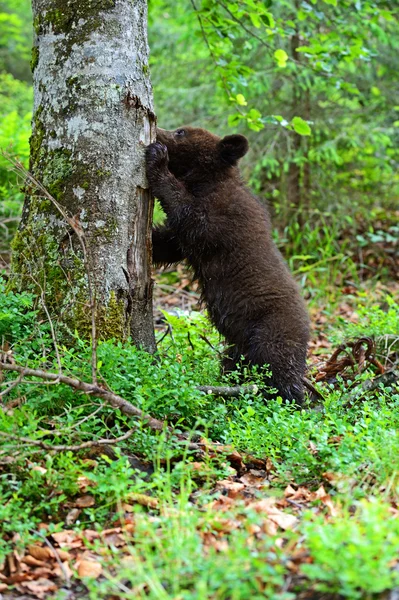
221	390
65	448
92	389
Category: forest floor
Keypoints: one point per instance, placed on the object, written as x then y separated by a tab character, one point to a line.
302	504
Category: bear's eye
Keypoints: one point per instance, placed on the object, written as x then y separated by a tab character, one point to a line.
180	132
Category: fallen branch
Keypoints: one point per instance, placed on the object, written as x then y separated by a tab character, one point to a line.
93	390
65	448
221	390
369	385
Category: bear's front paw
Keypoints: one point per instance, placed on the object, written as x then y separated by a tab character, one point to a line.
156	155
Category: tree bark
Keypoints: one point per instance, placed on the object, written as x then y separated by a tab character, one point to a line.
93	116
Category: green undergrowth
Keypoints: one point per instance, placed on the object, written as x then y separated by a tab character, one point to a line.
349	443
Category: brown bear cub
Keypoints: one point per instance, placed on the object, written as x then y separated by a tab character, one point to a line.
216	224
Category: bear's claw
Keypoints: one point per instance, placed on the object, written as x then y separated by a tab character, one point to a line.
156	153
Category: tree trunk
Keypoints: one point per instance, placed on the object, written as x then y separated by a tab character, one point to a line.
93	116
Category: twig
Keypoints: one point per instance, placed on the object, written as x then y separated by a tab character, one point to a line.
94	390
12	385
309	386
369	385
56	556
220	71
244	27
168	330
221	390
65	448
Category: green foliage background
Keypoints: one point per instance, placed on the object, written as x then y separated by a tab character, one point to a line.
311	83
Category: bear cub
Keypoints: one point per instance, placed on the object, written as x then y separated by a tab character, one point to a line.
224	233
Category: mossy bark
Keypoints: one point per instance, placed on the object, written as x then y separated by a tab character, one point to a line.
93	116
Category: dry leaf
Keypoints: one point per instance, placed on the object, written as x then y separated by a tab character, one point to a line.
233	488
65	573
88	568
284	520
85	501
268	506
68	539
39	588
84	482
72	516
33	562
39	469
40	552
253	479
144	500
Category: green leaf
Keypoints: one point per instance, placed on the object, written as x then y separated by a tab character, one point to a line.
233	120
270	19
240	99
281	57
332	2
300	126
256	21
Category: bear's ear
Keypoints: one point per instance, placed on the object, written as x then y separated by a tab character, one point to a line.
233	147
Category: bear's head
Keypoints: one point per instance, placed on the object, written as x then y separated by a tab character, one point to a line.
197	151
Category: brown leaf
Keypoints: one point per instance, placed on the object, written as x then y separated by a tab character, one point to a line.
40	552
233	488
255	480
33	562
72	516
90	535
66	572
223	503
39	469
144	500
210	540
39	588
320	493
88	568
67	539
85	501
63	555
84	482
283	519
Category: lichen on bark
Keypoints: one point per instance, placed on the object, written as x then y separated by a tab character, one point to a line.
93	116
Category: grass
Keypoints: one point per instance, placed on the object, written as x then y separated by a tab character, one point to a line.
184	532
190	545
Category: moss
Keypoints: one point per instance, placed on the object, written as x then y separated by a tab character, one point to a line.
36	260
64	17
145	69
110	319
113	325
35	58
103	173
57	171
36	25
105	231
37	137
74	83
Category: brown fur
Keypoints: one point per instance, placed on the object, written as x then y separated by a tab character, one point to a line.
215	223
